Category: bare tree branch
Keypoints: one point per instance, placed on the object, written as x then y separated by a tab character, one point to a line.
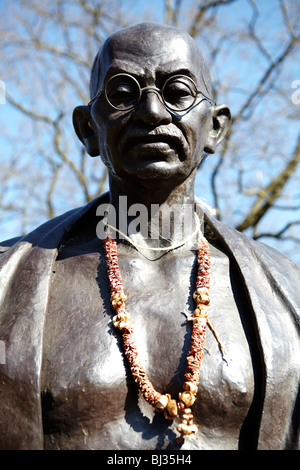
28	112
202	9
280	235
270	193
57	144
259	89
51	212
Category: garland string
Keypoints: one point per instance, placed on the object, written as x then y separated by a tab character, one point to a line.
123	322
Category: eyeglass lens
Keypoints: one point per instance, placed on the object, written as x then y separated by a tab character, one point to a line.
123	92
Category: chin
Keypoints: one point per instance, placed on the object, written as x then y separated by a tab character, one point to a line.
160	170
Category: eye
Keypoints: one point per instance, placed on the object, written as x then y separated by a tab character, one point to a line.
179	93
123	89
122	95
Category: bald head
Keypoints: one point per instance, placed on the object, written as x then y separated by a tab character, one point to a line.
140	41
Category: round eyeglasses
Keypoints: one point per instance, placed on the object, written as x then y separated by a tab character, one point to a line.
123	92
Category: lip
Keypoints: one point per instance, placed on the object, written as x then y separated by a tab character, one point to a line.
151	146
156	141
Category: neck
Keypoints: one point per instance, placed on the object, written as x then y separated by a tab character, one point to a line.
155	216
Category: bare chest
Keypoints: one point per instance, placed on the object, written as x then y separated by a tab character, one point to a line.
90	399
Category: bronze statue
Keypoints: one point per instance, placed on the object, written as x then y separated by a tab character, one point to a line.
67	382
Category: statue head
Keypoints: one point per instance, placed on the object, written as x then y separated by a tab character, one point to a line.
151	114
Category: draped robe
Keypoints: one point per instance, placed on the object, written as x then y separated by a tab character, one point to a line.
271	282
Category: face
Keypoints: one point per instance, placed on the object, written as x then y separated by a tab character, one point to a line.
149	141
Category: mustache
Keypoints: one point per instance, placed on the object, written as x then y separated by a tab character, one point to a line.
169	134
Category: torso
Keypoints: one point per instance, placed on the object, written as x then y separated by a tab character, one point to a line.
89	398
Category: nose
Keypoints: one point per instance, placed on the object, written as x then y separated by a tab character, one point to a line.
151	109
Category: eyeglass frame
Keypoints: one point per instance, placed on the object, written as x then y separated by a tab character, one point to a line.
149	88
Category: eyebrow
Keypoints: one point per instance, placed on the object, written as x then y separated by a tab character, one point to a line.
160	74
115	70
180	71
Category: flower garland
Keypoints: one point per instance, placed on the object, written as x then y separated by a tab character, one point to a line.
122	321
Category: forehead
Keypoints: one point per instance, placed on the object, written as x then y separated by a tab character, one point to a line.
159	52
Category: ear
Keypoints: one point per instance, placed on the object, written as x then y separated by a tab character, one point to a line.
84	130
221	119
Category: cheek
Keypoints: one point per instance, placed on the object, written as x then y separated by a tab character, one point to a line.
105	135
198	141
196	134
109	126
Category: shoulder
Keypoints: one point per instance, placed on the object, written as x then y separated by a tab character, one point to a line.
6	244
51	233
264	269
238	241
